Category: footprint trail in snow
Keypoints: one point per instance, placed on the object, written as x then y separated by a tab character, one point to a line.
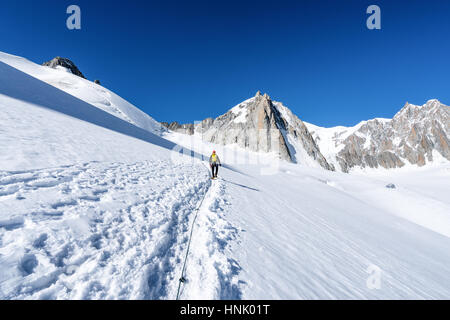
211	273
113	231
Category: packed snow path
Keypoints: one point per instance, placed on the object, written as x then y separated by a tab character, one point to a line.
113	231
104	231
211	273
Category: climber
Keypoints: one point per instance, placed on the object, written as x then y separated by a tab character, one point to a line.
214	163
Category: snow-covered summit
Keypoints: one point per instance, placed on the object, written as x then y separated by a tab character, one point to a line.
431	109
241	110
57	62
83	89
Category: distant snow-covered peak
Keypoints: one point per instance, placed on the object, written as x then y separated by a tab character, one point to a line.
414	135
410	108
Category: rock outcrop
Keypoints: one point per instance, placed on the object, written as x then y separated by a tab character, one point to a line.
181	128
65	63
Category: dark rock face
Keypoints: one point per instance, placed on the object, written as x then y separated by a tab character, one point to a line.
97	82
66	63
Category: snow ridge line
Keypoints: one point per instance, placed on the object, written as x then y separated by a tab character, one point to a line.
182	279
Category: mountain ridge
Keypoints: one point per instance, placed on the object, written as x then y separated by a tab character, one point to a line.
90	92
412	136
261	125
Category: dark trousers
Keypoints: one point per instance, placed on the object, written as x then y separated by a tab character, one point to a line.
214	167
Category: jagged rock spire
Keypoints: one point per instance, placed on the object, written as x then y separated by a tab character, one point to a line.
261	125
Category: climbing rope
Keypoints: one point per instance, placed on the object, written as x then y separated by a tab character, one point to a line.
182	278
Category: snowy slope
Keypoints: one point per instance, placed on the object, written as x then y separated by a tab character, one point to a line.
330	140
98	230
94	207
241	110
43	125
305	233
296	141
85	90
91	206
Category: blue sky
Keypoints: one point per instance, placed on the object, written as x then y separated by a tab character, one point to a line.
188	60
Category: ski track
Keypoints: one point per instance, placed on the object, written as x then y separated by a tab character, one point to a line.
114	231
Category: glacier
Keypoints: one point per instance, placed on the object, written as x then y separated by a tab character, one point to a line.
94	205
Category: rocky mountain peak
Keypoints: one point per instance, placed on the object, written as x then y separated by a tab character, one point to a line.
433	102
410	112
264	96
65	63
415	135
261	125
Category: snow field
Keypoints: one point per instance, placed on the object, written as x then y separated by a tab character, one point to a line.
97	230
94	207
